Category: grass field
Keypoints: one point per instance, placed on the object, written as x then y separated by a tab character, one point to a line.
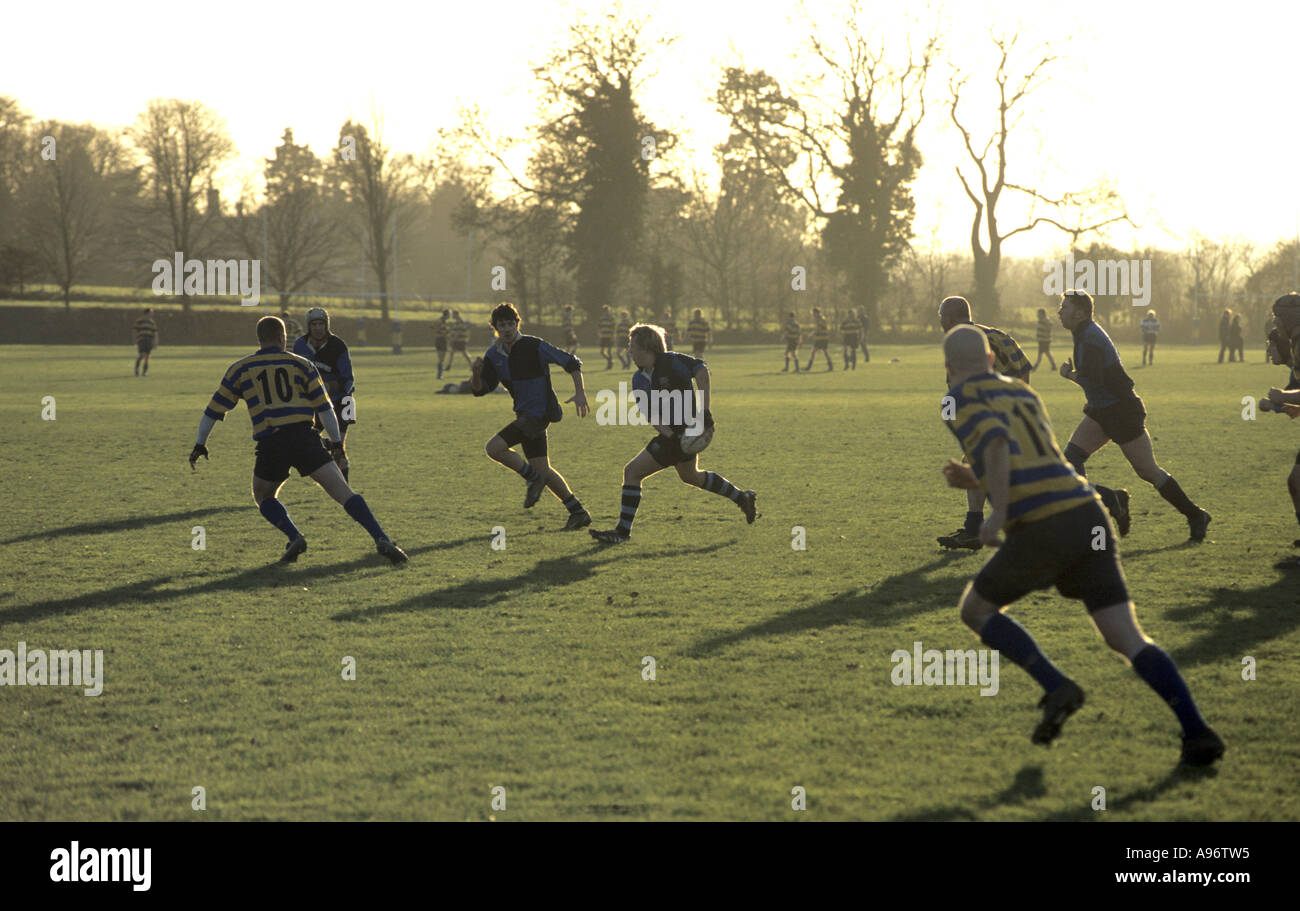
522	668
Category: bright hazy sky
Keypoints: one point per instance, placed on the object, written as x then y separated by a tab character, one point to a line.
1188	110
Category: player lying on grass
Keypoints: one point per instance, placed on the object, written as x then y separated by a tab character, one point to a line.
668	376
1284	349
329	355
1054	523
284	393
1010	361
519	362
1114	412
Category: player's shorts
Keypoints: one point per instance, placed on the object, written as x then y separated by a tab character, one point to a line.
607	341
296	446
1057	551
440	345
1148	338
1297	458
791	347
1044	347
820	346
850	341
144	345
1122	422
667	451
528	430
698	347
457	346
571	338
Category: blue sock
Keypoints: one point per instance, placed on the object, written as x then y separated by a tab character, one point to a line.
973	521
1160	673
631	500
357	509
275	513
1297	515
1011	639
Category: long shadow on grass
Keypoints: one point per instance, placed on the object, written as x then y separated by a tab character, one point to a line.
545	574
95	528
884	604
266	577
1234	621
1029	785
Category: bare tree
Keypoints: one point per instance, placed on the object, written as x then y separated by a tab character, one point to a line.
990	164
184	144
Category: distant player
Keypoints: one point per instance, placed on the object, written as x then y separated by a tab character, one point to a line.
668	374
1150	332
700	334
866	327
146	338
1052	521
570	333
605	330
1284	349
1225	329
1236	341
519	362
850	332
670	329
1010	361
441	330
624	327
458	332
790	332
292	327
329	355
1044	340
821	339
283	392
1114	412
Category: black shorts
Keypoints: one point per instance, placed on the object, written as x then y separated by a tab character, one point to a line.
1122	422
528	430
1148	338
791	347
1044	347
1057	551
440	344
144	345
296	446
457	346
820	346
850	341
571	339
667	451
698	347
607	341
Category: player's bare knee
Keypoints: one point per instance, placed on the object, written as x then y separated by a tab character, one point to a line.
975	611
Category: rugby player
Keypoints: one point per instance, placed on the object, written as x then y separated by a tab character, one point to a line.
624	327
1010	361
570	333
519	362
605	329
459	339
146	337
1053	521
329	355
1115	412
700	334
1044	340
821	339
790	331
283	391
865	319
1150	331
850	330
664	372
440	332
1284	349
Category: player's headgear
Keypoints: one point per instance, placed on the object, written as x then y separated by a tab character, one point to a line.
318	313
1287	309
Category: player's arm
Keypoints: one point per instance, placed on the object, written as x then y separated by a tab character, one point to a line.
225	398
703	379
343	371
571	365
1284	396
484	378
997	480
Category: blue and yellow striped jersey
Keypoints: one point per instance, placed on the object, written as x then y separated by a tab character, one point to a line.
1008	359
821	331
698	330
606	325
145	327
279	388
791	330
1044	332
989	407
850	325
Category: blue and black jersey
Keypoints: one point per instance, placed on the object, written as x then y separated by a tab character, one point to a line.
672	372
524	372
332	360
1100	371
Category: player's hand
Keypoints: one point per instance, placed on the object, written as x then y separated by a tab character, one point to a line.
477	366
1067	369
579	399
959	475
1275	396
1265	404
992	527
198	450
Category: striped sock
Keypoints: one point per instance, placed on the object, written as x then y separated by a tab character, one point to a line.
631	500
716	483
274	512
573	504
528	472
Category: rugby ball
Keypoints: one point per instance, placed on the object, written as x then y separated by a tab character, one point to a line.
698	443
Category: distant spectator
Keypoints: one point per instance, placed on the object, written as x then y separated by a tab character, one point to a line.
1236	344
1225	329
1150	329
